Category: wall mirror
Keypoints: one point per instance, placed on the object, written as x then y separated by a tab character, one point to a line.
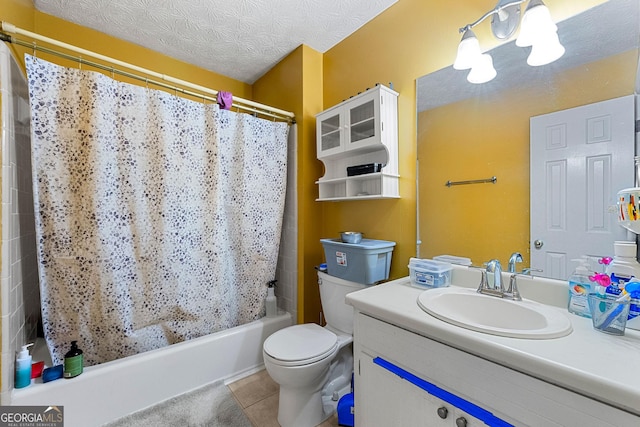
476	132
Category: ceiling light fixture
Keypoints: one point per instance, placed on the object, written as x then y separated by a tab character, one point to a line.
537	30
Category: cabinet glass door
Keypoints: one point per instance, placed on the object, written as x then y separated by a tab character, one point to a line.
364	122
330	135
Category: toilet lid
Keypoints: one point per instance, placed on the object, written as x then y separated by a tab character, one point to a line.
300	342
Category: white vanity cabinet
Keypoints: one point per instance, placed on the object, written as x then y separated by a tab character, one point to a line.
361	130
405	379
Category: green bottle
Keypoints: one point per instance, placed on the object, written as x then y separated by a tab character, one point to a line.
73	361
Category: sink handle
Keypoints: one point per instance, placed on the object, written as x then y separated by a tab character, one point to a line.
513	291
484	284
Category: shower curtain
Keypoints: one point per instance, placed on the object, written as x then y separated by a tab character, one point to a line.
157	218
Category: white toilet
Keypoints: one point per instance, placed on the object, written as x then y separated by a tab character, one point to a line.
313	364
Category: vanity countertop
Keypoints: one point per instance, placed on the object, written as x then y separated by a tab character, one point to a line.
597	365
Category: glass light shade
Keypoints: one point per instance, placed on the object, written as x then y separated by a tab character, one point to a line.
545	50
482	70
468	51
535	22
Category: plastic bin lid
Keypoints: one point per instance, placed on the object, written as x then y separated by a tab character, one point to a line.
453	259
364	243
429	264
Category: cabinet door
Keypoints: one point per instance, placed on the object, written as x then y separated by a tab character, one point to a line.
363	124
330	135
386	400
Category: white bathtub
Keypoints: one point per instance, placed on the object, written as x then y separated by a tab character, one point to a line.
111	390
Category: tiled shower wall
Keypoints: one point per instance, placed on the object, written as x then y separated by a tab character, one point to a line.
19	287
287	270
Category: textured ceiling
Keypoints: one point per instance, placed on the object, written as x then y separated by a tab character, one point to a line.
241	39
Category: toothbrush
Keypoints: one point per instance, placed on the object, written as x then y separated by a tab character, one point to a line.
616	311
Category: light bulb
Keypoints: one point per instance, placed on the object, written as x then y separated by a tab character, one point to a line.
483	70
545	50
535	22
468	51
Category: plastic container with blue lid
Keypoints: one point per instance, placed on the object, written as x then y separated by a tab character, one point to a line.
428	273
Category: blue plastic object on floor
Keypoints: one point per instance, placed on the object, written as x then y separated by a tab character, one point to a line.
345	410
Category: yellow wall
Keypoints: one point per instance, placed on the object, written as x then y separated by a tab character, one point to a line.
295	84
482	137
17	12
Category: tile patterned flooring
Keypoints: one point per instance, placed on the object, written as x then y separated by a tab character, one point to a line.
258	396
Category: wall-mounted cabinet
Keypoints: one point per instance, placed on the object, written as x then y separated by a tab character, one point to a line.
362	130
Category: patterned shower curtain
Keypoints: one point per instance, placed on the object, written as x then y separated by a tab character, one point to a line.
157	218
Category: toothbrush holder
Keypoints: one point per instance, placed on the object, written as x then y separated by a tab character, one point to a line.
608	314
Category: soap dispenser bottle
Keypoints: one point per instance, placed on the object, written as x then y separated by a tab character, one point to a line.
579	288
271	301
23	367
73	361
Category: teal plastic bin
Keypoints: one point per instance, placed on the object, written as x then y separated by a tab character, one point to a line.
366	262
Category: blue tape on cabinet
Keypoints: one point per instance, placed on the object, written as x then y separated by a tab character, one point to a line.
464	405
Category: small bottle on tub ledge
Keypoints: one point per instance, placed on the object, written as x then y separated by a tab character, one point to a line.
73	361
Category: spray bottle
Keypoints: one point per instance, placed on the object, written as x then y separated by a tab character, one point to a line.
271	302
579	288
23	368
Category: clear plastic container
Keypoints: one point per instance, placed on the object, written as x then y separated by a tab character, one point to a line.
427	273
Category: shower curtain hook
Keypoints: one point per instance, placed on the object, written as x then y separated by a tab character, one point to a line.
113	73
35	50
146	81
80	62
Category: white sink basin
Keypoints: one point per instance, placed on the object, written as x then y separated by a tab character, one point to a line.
493	315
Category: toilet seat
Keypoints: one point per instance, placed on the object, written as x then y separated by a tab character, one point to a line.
300	345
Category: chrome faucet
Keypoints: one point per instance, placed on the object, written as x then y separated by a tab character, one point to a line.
515	257
496	288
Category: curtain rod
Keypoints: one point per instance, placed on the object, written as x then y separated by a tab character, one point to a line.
243	104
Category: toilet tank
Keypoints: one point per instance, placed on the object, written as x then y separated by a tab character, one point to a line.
337	313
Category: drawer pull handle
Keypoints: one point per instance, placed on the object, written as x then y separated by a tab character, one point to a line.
443	412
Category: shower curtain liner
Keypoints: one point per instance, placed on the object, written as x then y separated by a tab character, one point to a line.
158	219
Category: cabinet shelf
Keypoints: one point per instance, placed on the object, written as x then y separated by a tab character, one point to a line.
368	197
359	131
362	177
378	185
331	132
